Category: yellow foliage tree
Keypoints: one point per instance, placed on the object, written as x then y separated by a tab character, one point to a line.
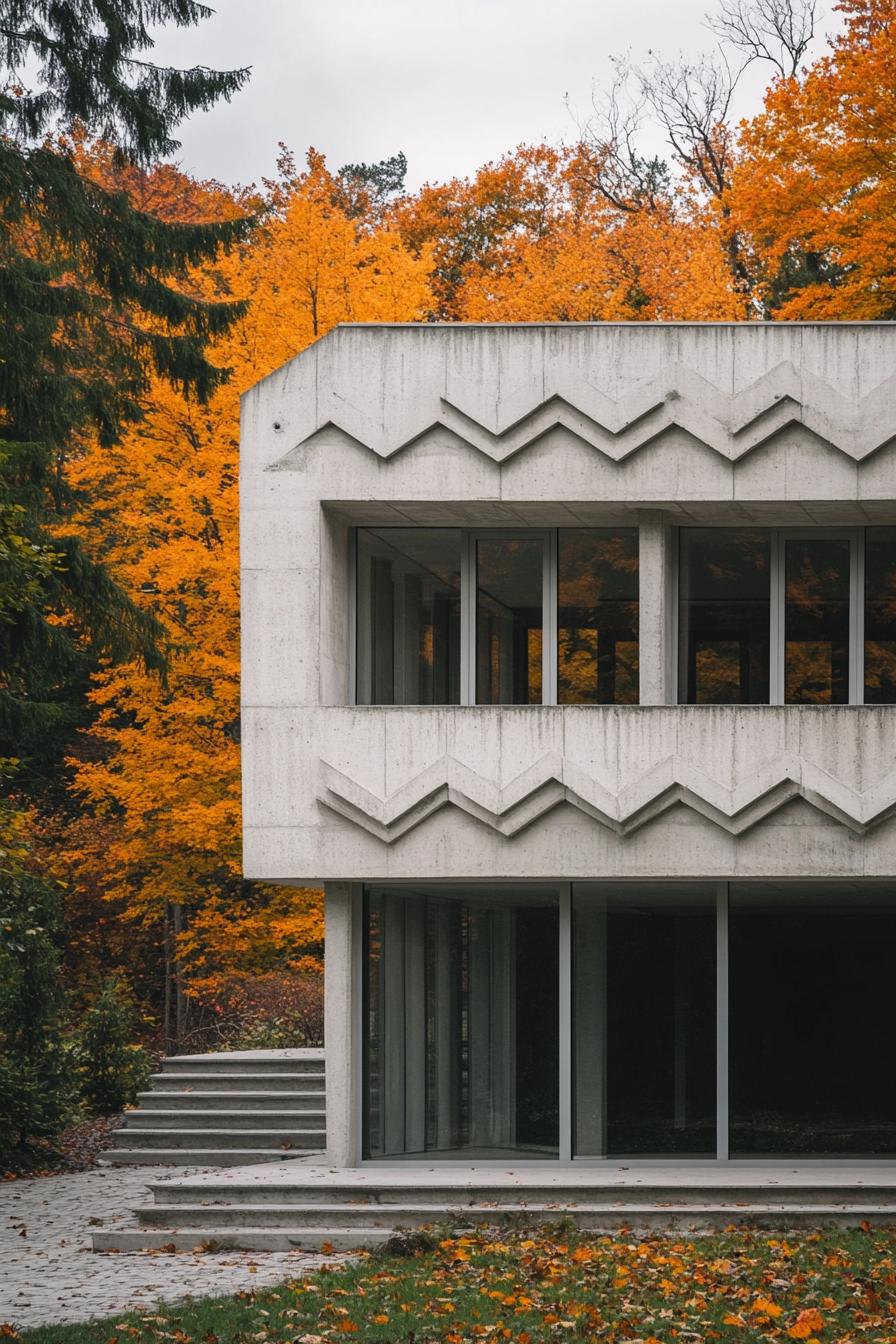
160	767
815	184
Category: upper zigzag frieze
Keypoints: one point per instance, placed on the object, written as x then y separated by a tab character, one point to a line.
731	424
550	781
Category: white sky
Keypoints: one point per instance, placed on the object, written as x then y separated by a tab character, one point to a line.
453	83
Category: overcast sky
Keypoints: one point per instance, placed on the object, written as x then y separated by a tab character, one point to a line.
453	83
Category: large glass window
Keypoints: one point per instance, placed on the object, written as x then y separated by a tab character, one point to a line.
769	616
408	616
450	616
462	1023
724	616
597	617
816	620
510	574
812	1015
644	1005
630	1019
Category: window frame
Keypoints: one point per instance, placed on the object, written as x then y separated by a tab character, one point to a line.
778	538
469	538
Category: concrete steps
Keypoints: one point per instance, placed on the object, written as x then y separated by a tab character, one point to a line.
303	1206
227	1109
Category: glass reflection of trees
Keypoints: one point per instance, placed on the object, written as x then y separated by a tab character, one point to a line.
816	621
597	617
880	616
724	616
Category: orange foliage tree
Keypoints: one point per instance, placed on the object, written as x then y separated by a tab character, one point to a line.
815	183
158	770
531	239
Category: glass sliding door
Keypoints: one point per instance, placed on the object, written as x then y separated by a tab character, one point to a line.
702	1020
812	1018
462	1024
644	1007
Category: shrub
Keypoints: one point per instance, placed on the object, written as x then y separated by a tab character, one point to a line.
277	1010
36	1092
113	1069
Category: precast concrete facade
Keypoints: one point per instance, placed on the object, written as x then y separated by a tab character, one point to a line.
770	430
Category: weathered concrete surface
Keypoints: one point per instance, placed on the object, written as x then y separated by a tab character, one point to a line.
553	425
49	1277
690	791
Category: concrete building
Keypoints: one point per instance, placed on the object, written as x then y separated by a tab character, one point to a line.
569	670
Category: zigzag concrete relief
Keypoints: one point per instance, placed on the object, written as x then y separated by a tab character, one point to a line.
552	781
731	424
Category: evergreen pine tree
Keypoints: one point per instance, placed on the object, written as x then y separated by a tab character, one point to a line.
94	304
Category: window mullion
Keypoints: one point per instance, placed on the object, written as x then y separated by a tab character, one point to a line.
468	619
776	633
549	621
857	618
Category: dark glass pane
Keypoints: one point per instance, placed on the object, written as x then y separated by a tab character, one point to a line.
597	617
644	1002
816	621
724	616
509	621
462	1013
880	616
408	597
812	1015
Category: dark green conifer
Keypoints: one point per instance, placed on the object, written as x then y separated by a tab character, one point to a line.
93	306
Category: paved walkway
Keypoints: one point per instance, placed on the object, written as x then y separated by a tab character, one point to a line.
49	1276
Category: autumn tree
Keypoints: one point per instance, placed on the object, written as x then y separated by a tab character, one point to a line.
94	311
815	186
158	771
691	101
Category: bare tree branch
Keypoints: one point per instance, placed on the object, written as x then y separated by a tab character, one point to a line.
618	172
778	31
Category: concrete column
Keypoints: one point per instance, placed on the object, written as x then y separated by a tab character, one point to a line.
343	1070
656	623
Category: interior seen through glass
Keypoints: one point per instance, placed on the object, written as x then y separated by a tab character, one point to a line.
463	1021
462	1024
408	622
509	620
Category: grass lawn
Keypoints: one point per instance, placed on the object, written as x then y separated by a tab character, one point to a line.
833	1287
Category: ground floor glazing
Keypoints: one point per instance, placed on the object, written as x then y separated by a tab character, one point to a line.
629	1020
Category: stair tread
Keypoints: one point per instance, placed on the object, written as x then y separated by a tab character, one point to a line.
453	1213
150	1157
217	1129
224	1092
220	1113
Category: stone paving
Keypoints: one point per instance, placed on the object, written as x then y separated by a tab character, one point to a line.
49	1275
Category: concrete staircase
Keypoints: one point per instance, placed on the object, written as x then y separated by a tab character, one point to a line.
299	1205
227	1109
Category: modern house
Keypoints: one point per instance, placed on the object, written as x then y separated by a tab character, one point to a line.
569	670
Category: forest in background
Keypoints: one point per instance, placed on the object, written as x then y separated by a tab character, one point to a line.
120	825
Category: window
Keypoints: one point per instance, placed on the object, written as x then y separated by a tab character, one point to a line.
880	616
408	631
768	616
448	616
531	1021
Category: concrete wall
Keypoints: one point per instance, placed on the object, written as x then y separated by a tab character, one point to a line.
554	426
